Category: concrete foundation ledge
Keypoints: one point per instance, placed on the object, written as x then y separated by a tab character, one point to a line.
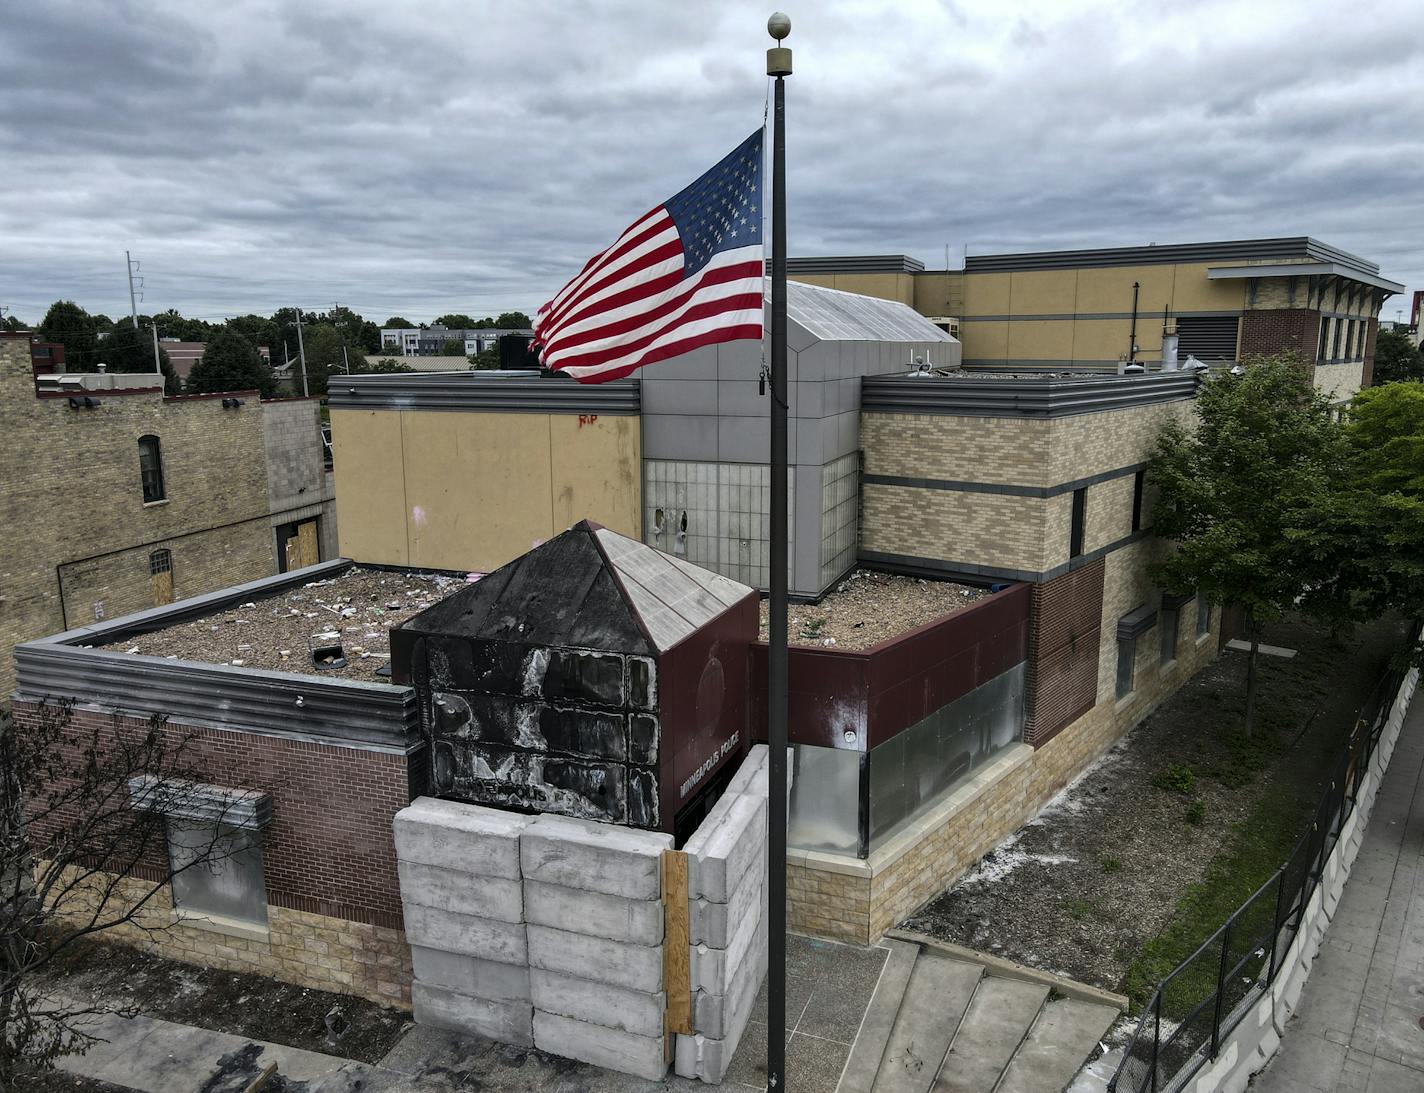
445	889
636	920
598	1003
638	1055
594	857
470	975
636	967
472	839
486	938
507	1022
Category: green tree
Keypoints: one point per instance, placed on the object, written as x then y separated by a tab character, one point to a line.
452	347
398	322
130	350
1241	497
325	358
231	363
485	359
259	332
513	320
72	327
1397	358
456	320
387	365
9	322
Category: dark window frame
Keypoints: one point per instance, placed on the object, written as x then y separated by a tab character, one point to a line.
150	469
1079	521
1126	679
160	561
1139	481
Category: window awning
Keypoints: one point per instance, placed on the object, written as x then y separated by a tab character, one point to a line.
198	802
1137	622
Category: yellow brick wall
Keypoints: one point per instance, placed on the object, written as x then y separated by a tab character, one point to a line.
72	497
317	951
975	528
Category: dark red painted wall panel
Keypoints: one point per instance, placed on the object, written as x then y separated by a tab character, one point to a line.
883	690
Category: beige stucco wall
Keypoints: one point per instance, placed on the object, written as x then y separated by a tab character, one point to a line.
453	490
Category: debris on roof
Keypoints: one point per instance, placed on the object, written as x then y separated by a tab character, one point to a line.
868	607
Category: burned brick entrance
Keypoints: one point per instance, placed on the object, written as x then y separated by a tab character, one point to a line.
593	677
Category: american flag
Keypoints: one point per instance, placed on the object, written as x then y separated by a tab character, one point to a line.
686	274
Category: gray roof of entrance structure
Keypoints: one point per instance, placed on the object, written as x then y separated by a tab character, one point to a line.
835	316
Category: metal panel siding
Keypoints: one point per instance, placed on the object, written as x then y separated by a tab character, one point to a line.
856	263
472	391
221	696
1045	397
1241	250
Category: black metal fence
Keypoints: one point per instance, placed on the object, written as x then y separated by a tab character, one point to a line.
1184	1023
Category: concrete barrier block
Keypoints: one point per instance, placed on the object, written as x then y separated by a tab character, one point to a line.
725	846
638	1055
486	938
464	893
634	1012
507	1022
712	968
636	967
470	975
595	857
595	913
715	923
483	841
718	1016
757	758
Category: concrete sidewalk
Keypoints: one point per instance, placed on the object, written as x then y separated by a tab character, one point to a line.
1358	1025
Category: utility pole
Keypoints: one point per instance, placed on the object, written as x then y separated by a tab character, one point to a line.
157	363
345	363
778	65
302	353
133	307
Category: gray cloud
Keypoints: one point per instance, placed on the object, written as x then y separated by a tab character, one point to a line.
423	158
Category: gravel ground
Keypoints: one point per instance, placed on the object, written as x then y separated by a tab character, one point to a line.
868	607
354	609
1098	873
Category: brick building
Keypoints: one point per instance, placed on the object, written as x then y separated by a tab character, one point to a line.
1091	309
117	498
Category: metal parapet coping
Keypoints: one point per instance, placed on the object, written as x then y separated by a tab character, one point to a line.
471	391
347	712
1047	396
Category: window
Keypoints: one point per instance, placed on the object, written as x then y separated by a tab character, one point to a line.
1323	344
1335	343
1138	481
227	881
1169	634
1126	655
1203	616
150	467
160	561
1080	514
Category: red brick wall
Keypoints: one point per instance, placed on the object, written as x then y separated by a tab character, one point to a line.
1062	676
328	849
1280	330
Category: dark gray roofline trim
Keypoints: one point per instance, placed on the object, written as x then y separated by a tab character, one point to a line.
854	263
345	712
915	566
1048	397
1000	488
1064	317
469	391
1136	622
1239	250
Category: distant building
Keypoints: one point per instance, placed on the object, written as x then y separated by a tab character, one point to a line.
1091	309
183	355
118	498
431	341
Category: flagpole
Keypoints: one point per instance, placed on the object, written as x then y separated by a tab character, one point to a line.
778	65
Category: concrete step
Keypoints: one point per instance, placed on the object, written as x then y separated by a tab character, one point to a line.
1065	1034
994	1026
879	1021
937	995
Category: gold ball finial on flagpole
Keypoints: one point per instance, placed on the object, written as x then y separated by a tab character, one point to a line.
778	59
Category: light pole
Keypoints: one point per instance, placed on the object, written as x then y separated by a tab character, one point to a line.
778	65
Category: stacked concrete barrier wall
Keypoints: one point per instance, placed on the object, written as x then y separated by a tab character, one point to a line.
727	893
552	932
594	912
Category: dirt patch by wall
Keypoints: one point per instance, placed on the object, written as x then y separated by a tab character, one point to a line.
1091	881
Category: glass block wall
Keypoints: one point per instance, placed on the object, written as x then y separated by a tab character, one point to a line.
725	506
840	516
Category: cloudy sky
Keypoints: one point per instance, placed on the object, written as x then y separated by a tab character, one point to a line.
416	158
